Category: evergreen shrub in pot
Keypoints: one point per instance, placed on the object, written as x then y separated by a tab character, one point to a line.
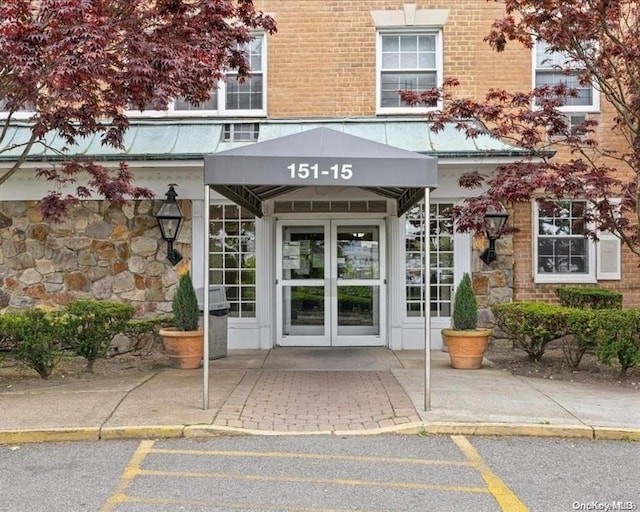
465	342
183	342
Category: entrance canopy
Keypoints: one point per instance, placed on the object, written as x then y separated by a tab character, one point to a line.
321	156
257	172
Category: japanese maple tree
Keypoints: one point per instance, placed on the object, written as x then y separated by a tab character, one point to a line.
599	40
77	67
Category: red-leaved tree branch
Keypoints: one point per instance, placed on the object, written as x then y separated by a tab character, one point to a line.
78	67
601	41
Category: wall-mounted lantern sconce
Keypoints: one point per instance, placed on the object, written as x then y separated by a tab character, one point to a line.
169	218
495	221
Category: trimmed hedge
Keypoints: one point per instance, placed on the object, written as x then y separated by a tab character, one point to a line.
588	297
618	337
37	337
531	325
145	332
582	336
93	324
612	334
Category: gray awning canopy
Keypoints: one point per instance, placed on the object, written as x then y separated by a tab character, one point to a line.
321	156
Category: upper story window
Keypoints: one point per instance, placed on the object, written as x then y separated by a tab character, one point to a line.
233	97
409	55
552	68
407	62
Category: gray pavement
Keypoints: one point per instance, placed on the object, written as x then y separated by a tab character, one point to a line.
309	391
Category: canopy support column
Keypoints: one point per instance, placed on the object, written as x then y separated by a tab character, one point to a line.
426	269
205	296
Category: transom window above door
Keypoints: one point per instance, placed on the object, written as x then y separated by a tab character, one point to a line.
407	62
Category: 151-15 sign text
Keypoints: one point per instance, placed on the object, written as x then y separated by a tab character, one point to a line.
311	171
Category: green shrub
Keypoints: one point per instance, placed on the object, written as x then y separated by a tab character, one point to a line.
93	324
37	336
581	337
618	337
589	297
465	306
145	332
185	305
531	325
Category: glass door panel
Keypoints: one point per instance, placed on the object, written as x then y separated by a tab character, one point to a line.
358	308
358	284
303	298
330	286
304	311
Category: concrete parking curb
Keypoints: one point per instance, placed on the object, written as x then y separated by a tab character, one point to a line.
510	429
143	432
616	434
200	431
49	435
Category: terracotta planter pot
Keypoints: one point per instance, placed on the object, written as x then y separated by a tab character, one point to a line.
184	348
466	348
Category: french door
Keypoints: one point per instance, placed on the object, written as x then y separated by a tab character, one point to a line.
330	285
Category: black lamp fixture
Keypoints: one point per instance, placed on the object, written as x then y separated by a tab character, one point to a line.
495	221
169	218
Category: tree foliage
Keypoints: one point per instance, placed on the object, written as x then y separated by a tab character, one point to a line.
78	66
600	40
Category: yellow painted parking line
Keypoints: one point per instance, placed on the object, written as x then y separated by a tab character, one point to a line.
236	505
310	480
315	456
506	499
130	472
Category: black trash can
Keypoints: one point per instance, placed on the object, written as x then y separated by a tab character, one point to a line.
218	320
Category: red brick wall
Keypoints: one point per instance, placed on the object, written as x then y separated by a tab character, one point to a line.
322	63
322	60
524	287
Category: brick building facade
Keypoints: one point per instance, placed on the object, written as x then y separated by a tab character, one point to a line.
332	63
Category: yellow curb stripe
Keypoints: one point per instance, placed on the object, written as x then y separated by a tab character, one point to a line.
142	432
506	499
616	434
49	435
508	429
310	480
130	472
313	456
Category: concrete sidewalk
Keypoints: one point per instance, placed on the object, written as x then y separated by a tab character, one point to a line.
318	391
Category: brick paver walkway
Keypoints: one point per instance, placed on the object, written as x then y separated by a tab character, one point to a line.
311	401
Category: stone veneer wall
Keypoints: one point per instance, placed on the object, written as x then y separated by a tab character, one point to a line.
493	284
101	251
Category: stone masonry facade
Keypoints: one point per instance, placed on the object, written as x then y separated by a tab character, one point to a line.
102	251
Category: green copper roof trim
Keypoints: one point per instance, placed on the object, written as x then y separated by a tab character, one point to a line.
191	139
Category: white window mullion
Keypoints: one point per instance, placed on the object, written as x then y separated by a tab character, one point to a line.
561	255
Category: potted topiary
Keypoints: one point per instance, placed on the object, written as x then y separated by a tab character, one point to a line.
183	342
465	342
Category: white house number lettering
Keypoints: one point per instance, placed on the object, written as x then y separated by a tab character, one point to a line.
313	171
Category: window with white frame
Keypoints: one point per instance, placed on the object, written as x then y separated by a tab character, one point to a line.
233	96
407	62
563	252
553	68
441	264
232	257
